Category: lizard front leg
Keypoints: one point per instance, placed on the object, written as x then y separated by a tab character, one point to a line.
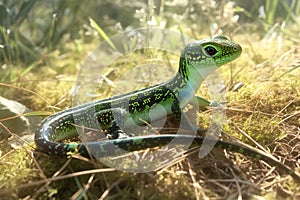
111	120
185	122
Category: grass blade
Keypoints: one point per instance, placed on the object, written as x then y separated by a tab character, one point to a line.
101	32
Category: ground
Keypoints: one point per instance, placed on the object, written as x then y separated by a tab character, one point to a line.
263	105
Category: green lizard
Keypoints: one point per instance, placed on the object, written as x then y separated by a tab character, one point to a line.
197	60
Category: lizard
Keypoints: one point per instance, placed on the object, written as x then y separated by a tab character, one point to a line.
197	60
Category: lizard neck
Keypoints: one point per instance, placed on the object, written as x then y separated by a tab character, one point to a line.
189	79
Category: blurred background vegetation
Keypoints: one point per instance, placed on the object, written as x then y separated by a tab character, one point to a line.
30	29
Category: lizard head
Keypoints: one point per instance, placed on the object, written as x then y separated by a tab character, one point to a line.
200	58
217	50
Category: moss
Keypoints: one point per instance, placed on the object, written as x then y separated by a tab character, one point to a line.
260	108
15	168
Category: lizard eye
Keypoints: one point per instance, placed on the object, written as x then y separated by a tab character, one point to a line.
210	50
